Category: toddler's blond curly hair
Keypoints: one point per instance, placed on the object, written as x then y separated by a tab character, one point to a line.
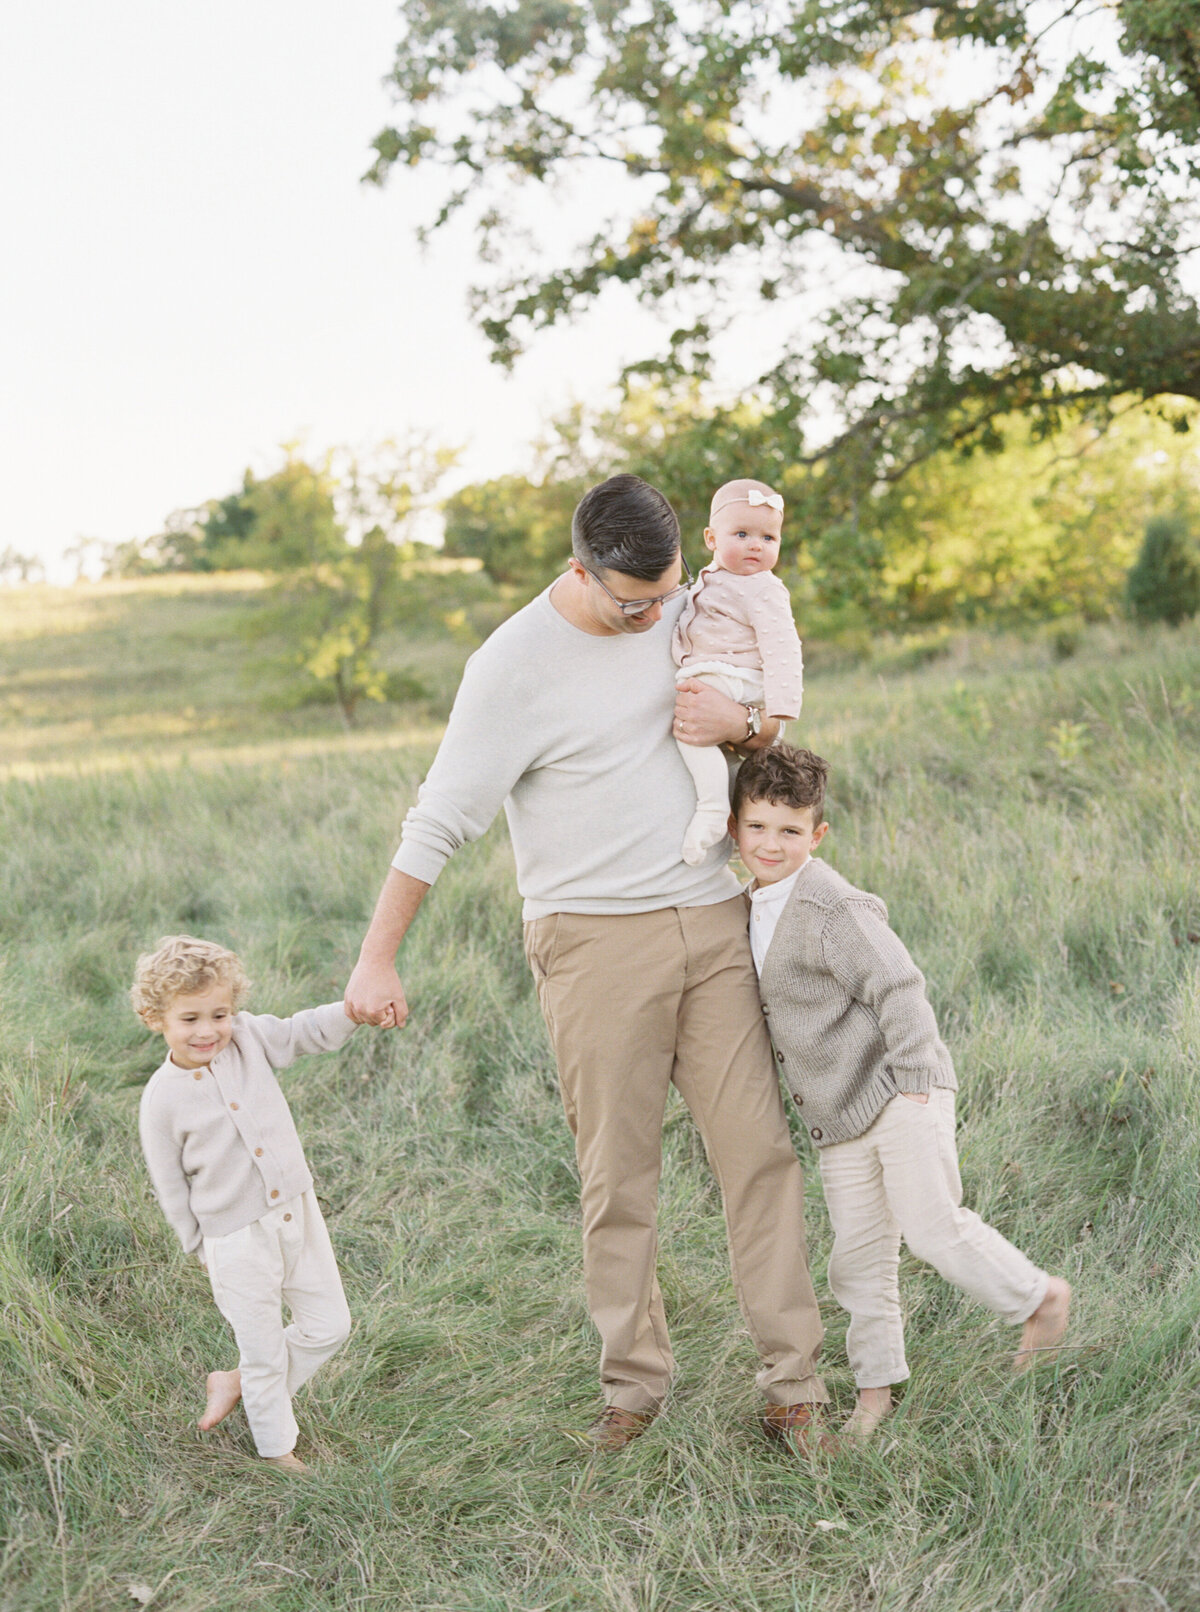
181	965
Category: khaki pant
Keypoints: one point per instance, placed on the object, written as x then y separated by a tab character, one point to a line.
900	1179
286	1257
634	1003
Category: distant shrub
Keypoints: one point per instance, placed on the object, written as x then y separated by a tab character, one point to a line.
1164	584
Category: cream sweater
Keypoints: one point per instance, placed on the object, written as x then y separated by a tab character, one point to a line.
846	1008
571	733
220	1142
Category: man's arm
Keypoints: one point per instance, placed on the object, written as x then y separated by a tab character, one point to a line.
374	994
704	716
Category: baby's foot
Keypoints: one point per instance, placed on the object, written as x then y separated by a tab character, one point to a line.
873	1405
290	1462
705	830
224	1389
1043	1331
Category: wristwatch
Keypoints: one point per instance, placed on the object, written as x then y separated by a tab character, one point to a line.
753	722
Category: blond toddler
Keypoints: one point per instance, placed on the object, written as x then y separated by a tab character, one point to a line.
231	1177
736	634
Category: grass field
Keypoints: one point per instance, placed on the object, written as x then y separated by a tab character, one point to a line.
1033	824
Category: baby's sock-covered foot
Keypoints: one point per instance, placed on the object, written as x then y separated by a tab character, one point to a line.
706	829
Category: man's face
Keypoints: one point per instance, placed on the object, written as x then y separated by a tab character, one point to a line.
774	841
606	591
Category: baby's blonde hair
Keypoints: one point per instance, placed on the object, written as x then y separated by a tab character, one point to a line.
181	965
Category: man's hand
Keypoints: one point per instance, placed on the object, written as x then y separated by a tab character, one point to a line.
704	716
921	1097
375	995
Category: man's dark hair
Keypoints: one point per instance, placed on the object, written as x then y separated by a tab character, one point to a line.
625	525
782	775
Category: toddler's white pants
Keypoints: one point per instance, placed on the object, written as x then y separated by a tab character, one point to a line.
284	1258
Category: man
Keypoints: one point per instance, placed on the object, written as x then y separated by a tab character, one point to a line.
642	963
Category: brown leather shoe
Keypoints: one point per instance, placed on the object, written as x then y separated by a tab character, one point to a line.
614	1428
800	1428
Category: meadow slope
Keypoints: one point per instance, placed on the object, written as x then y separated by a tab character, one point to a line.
1032	822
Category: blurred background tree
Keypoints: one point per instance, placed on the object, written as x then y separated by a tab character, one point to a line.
1164	585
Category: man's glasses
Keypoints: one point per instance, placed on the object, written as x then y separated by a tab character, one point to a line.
638	607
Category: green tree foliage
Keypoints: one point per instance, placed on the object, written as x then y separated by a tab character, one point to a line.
1164	584
364	569
1045	526
520	529
986	208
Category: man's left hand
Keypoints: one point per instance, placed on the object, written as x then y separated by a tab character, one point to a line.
704	716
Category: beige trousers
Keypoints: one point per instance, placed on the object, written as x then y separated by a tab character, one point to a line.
284	1258
900	1179
633	1004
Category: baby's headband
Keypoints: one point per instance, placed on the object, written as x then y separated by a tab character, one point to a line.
752	497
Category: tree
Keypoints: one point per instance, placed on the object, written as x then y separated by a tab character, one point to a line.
19	568
1164	584
989	205
336	606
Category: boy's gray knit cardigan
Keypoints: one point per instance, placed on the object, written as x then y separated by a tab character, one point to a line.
846	1007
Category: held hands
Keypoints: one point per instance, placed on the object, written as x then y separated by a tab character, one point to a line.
374	995
705	717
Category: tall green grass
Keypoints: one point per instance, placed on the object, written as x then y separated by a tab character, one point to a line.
1032	824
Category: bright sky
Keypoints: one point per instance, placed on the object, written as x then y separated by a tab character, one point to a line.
193	273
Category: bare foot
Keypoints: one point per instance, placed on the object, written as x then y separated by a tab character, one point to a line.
290	1462
224	1389
873	1405
1043	1331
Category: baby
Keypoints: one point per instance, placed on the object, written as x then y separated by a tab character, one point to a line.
231	1177
736	634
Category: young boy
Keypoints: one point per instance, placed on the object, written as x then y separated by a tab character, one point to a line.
858	1045
231	1177
736	633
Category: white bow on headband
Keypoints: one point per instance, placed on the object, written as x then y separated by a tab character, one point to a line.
753	497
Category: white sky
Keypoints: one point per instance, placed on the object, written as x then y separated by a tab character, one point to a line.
192	272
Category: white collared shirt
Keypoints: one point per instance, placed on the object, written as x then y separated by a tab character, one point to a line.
766	906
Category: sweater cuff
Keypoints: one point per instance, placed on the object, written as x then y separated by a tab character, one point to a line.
419	861
916	1081
336	1023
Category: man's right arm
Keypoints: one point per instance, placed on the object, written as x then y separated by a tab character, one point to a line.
374	994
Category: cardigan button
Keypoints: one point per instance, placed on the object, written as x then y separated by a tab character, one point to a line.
233	1105
816	1133
288	1216
199	1075
799	1099
258	1152
765	1008
779	1057
275	1190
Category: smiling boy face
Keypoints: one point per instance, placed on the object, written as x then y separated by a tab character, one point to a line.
198	1026
775	840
